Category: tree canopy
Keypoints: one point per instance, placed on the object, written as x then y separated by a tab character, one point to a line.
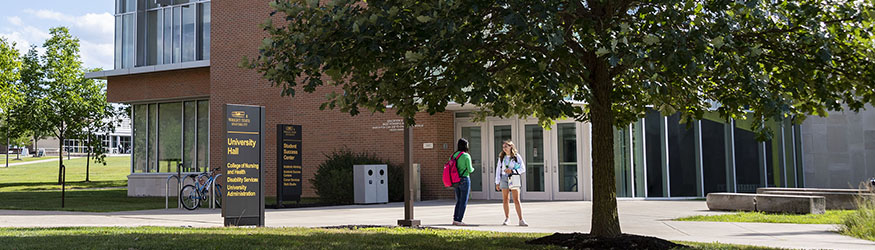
601	61
10	65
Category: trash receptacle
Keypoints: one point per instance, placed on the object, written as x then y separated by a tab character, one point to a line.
366	182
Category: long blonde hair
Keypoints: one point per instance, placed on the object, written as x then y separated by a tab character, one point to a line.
513	151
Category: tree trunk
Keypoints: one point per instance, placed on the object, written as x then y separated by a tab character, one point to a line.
605	220
35	146
88	163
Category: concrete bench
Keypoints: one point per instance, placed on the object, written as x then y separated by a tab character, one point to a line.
772	203
797	204
731	202
834	200
822	190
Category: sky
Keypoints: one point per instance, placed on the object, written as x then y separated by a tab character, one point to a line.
27	23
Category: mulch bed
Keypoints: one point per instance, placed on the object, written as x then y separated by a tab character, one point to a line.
354	227
587	241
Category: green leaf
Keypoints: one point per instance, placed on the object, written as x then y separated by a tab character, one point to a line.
650	39
423	19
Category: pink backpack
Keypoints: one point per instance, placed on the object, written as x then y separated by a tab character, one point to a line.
451	173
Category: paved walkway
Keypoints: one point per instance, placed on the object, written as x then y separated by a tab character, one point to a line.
636	217
11	164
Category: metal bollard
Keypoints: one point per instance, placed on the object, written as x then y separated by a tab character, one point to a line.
167	191
213	192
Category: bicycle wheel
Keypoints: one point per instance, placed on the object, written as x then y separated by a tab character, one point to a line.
218	195
190	197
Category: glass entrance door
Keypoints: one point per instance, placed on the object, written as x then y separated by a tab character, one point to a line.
476	137
566	161
536	184
500	131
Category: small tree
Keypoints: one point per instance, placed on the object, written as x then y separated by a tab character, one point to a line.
66	105
774	59
102	120
26	115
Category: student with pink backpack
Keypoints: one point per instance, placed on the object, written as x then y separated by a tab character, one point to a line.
463	187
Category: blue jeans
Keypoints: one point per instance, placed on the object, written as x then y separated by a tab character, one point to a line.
462	192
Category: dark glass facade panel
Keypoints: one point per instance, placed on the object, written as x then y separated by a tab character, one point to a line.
654	126
168	35
177	34
682	158
714	166
475	143
748	161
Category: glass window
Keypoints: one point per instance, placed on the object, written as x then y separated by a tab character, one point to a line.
130	5
128	41
118	42
189	126
534	153
790	166
177	34
154	37
714	165
622	169
153	138
475	141
168	35
638	158
203	135
170	136
205	31
567	144
188	32
141	119
682	158
774	158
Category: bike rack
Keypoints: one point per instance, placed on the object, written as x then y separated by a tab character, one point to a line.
213	191
167	192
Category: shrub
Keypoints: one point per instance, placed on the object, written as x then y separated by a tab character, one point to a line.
334	180
861	223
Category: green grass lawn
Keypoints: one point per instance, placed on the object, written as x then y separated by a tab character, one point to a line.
830	217
275	238
44	175
21	159
107	200
34	187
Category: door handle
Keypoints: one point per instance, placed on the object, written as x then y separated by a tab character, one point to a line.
555	169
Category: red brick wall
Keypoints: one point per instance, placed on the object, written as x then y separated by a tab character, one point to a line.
177	84
235	34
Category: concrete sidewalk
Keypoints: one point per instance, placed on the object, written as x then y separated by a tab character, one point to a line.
653	218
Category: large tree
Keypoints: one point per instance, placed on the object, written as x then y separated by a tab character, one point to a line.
757	59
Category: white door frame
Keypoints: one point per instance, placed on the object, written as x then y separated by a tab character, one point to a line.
483	144
547	194
581	159
492	154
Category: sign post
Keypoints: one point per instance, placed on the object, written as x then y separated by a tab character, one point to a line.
244	186
288	164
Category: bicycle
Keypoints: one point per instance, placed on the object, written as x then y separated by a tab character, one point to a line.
193	194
